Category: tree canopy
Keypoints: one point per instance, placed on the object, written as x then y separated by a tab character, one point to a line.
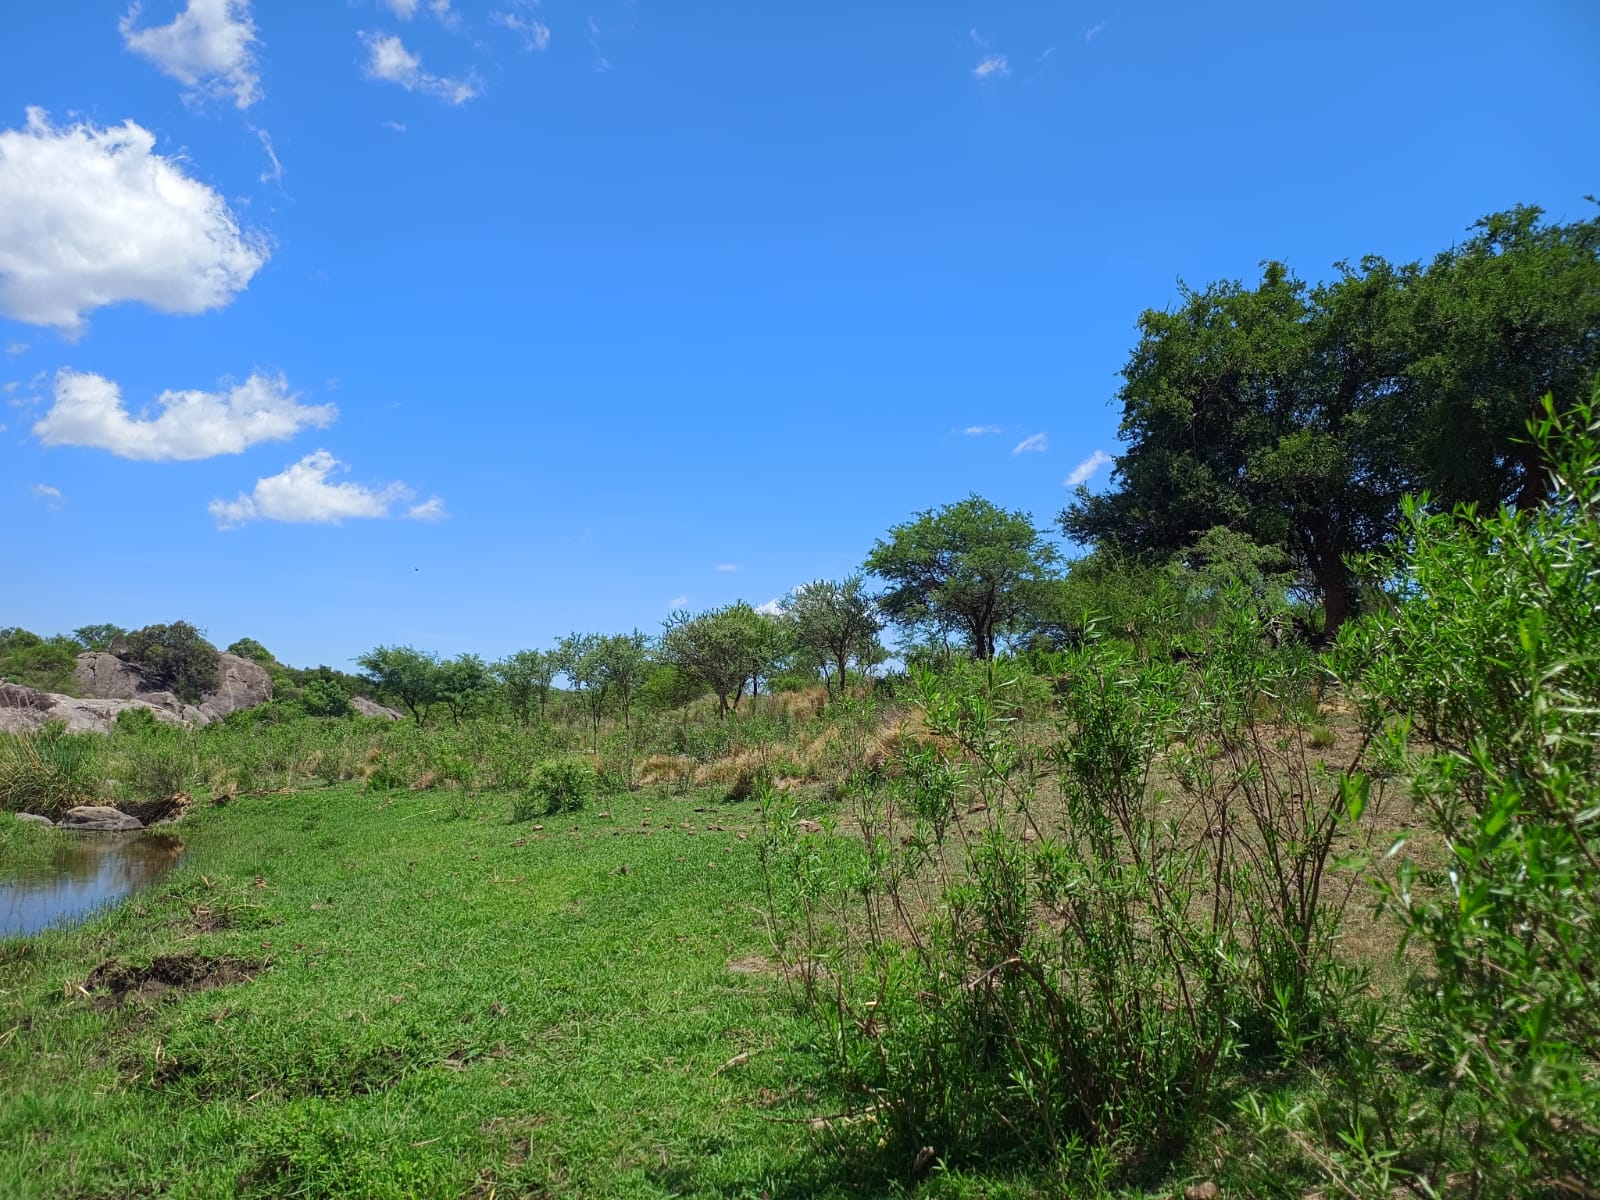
1299	417
833	623
968	567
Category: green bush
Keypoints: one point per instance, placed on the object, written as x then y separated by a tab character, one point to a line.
1494	651
565	785
50	771
175	657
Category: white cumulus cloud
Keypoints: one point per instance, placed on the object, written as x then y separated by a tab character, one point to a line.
993	67
389	61
48	496
209	48
90	217
1087	469
1033	443
303	494
772	608
88	411
404	9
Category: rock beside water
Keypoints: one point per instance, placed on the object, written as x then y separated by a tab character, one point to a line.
99	818
35	819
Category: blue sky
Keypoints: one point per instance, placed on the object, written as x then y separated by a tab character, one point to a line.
470	324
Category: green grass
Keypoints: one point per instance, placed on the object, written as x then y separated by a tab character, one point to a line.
26	844
441	1012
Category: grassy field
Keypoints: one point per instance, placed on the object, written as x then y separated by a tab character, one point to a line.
347	993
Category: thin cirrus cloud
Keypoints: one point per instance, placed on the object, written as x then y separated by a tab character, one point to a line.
535	34
1036	443
993	66
388	61
209	48
48	496
88	410
1088	468
980	430
726	567
96	217
406	9
302	493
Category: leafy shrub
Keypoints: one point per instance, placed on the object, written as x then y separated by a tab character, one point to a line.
325	698
174	657
1494	649
565	785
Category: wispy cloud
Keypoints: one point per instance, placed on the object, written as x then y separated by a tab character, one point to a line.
1048	51
535	34
980	430
431	509
977	38
1088	468
726	567
601	62
389	61
48	496
676	603
395	126
1094	31
1035	443
994	66
15	348
276	173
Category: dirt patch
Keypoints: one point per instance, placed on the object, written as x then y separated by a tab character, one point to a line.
112	982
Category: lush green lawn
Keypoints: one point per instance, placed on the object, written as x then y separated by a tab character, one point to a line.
438	1011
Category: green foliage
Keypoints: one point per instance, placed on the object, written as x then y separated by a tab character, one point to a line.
526	677
50	771
723	648
174	658
406	674
254	651
1300	417
98	637
325	698
462	683
968	568
565	785
1494	650
833	624
45	664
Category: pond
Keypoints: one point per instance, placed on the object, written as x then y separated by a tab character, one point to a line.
84	875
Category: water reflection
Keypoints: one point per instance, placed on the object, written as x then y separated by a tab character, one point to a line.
86	873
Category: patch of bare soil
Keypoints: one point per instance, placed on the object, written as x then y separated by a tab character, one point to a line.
113	982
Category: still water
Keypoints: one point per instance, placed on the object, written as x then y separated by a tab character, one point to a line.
86	874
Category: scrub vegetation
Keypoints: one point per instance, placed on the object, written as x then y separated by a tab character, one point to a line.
1254	852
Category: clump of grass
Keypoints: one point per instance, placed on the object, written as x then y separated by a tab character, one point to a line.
50	771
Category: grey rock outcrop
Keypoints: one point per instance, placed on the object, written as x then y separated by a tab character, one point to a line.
22	710
103	676
113	687
35	819
98	818
371	708
240	684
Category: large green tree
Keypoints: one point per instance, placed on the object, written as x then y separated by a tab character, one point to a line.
176	657
969	567
722	648
834	623
406	674
1299	417
526	677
